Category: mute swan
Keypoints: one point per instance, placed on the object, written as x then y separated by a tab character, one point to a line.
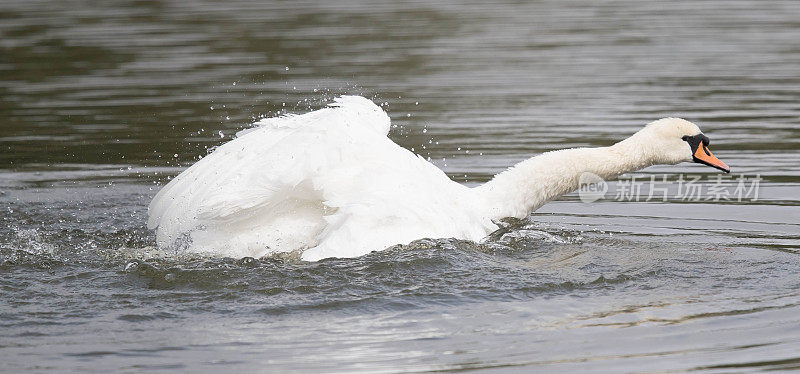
330	183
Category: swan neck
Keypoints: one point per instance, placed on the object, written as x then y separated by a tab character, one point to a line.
530	184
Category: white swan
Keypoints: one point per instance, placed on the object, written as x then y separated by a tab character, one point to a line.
330	183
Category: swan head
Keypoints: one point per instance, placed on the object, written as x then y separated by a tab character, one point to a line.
675	140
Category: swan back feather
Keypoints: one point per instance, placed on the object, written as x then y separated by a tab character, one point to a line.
328	183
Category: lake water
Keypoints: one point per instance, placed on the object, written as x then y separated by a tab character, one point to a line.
102	102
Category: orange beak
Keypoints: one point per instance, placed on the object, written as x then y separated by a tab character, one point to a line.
704	156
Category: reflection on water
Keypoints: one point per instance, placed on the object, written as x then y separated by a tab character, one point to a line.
102	102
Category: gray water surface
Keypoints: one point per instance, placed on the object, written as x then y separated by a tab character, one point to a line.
103	102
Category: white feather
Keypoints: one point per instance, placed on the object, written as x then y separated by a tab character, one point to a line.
328	181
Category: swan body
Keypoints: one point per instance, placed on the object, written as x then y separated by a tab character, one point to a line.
330	183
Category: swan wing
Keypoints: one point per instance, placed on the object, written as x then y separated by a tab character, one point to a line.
265	188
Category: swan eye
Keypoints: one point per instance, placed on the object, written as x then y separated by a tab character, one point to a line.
696	139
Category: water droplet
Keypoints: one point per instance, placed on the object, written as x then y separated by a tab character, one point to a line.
287	68
234	83
424	130
221	135
175	155
131	266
